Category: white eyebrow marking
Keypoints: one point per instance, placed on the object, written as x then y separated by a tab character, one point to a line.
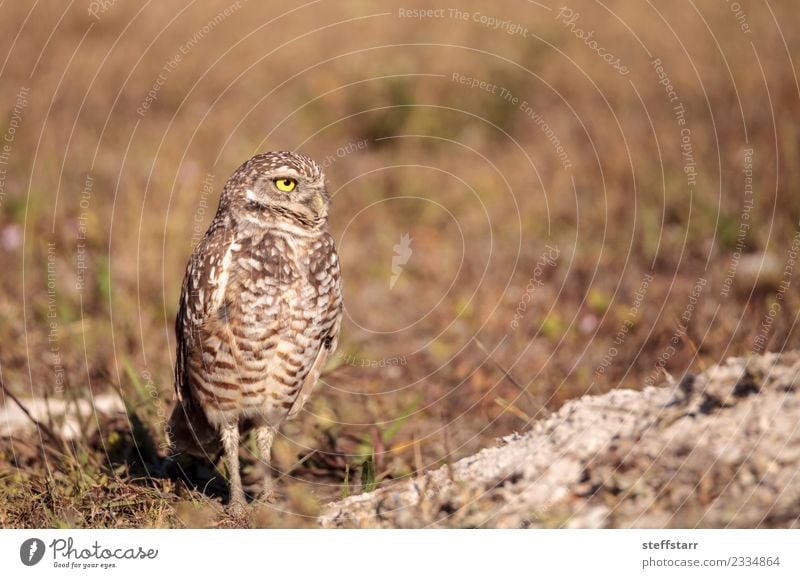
288	170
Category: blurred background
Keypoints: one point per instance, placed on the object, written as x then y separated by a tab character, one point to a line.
531	201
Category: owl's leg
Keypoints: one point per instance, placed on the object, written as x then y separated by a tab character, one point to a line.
264	438
230	444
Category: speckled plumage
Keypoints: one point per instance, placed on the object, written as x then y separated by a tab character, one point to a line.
260	311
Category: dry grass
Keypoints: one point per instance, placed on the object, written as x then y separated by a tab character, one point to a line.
472	178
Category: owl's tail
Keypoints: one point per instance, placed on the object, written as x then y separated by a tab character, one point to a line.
189	432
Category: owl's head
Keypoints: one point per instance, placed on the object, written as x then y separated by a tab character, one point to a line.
279	184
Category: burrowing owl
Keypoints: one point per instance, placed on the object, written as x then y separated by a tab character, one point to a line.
259	314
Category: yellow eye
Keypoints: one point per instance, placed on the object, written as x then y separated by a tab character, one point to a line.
286	185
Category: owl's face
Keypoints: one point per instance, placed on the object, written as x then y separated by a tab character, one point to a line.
282	184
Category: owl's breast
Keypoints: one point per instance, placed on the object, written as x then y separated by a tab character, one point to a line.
274	281
273	311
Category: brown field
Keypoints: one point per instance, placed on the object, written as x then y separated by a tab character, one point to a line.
581	217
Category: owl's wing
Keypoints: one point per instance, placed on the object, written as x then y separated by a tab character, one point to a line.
325	270
202	292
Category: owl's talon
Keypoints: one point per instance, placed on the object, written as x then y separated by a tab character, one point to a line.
268	494
237	509
267	498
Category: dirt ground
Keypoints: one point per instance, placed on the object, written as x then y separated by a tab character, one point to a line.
720	449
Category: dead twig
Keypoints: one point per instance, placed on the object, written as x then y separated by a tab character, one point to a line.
42	427
506	373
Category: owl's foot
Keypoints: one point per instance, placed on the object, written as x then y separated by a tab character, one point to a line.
267	494
264	437
230	441
237	507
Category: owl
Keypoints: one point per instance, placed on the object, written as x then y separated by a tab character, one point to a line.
259	313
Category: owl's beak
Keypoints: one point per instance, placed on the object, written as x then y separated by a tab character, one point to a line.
319	205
